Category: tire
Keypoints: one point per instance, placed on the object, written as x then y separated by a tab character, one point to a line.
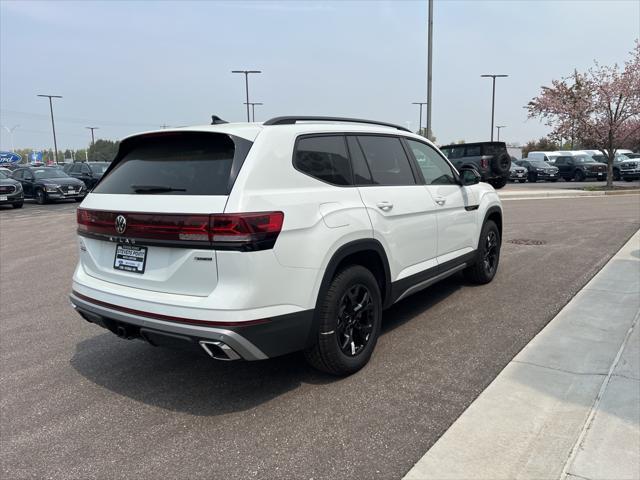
488	255
553	179
578	176
78	200
533	178
332	352
498	183
521	181
41	197
500	165
616	174
18	205
627	179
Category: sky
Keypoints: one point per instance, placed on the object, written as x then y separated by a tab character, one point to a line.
128	66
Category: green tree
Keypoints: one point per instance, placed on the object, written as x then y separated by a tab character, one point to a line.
103	150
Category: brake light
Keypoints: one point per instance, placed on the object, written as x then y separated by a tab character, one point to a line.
235	231
484	163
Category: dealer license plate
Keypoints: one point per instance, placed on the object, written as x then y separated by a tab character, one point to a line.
3	199
130	258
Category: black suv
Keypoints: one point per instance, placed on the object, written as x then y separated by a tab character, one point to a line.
89	172
47	184
490	159
580	167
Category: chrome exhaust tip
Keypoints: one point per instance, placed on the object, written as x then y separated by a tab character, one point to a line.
219	350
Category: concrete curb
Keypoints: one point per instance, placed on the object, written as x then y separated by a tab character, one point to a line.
541	194
568	405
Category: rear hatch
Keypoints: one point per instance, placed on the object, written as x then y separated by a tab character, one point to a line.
148	222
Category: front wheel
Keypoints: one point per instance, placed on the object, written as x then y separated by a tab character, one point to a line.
18	205
349	321
41	197
488	255
533	178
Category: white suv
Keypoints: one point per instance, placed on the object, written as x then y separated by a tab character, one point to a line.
249	241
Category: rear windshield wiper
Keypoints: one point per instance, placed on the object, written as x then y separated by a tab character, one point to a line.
156	189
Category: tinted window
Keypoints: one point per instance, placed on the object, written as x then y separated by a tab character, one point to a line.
3	175
49	173
18	174
84	168
74	168
361	172
435	169
456	152
99	167
387	161
446	151
324	158
185	164
475	151
560	161
494	149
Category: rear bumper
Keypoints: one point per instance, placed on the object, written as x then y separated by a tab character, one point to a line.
268	338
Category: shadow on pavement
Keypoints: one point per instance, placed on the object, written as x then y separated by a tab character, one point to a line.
187	382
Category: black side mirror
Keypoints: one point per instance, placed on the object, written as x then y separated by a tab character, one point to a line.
469	176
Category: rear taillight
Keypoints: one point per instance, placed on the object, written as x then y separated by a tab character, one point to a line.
484	163
236	231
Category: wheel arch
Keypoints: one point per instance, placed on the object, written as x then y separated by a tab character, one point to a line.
494	214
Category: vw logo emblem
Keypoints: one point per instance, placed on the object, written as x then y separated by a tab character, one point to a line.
121	224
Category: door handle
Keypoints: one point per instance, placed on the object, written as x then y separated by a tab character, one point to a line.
385	206
441	201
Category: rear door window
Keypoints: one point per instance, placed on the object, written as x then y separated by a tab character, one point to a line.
474	151
182	164
325	158
387	160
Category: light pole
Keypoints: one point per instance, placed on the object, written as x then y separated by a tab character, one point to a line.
246	85
93	140
493	96
53	125
498	127
429	68
10	132
420	122
253	110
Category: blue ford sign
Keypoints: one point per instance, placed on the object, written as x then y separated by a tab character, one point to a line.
9	157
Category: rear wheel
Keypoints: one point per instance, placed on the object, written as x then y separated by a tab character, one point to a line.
533	177
488	255
350	315
498	182
578	176
41	197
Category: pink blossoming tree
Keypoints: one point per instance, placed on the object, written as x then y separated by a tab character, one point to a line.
598	109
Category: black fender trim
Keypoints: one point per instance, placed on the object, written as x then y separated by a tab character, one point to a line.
356	246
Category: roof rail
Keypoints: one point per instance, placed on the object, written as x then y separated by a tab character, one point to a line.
291	120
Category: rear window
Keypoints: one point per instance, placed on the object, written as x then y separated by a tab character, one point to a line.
324	158
387	160
494	149
184	164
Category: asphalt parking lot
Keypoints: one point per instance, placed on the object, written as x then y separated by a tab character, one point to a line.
78	402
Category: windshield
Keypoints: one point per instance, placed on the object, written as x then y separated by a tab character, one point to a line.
49	173
99	167
583	159
3	175
539	164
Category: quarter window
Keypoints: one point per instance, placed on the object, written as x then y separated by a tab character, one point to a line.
387	160
435	169
324	158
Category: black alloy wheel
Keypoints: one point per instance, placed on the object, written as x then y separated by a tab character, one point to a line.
490	253
355	320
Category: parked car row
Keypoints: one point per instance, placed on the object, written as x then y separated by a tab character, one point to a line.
48	184
579	164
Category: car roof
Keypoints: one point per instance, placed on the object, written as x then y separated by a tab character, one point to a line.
250	131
